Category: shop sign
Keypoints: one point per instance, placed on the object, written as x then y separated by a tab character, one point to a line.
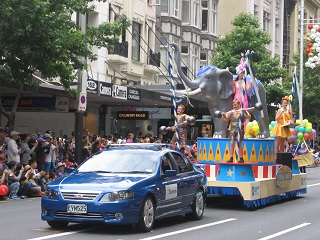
165	98
157	113
119	92
105	89
28	103
62	104
134	94
92	86
135	115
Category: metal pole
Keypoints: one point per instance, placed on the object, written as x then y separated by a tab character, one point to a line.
301	58
79	114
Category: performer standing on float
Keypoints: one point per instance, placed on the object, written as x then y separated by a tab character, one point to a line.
241	85
237	118
281	130
182	122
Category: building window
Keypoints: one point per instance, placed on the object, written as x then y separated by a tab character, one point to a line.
164	6
186	11
266	21
185	49
204	24
195	13
255	10
203	55
213	24
176	8
136	33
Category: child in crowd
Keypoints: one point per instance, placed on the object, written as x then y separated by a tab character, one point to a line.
36	189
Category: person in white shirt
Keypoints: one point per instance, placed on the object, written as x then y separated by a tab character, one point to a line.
14	152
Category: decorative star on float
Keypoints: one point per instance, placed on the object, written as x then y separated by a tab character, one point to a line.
229	173
243	173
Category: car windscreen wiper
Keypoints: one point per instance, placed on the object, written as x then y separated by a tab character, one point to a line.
138	172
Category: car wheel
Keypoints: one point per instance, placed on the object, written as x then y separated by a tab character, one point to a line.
197	206
58	224
146	216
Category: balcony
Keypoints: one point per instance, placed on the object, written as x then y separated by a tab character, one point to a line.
119	53
154	58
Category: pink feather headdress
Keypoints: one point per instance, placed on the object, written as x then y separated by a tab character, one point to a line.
241	67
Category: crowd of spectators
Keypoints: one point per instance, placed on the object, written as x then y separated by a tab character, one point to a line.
30	161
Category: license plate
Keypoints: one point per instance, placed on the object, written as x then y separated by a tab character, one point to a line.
77	208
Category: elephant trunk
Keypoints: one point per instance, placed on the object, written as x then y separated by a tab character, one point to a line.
177	58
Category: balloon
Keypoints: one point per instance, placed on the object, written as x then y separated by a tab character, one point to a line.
251	132
294	137
249	125
149	127
300	135
270	127
273	123
309	124
298	122
272	136
302	129
3	190
313	132
293	131
249	136
305	122
217	114
307	135
255	128
308	129
296	128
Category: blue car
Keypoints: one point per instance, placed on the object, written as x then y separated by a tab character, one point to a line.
127	184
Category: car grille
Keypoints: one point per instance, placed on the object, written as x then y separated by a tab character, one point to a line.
79	215
80	196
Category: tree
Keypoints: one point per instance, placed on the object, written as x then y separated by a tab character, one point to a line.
247	35
40	36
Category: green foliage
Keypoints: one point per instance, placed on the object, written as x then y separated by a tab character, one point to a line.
39	35
311	88
247	35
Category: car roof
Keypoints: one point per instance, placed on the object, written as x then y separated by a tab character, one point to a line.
141	146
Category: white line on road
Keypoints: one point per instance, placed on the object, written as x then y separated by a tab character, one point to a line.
312	185
62	234
285	231
189	229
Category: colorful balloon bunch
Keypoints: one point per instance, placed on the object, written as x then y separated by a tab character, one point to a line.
300	133
313	46
252	129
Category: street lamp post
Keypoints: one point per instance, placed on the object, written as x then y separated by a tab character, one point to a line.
301	58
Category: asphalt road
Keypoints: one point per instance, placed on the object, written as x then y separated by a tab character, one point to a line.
224	218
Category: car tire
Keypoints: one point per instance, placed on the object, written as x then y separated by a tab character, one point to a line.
146	216
58	224
197	206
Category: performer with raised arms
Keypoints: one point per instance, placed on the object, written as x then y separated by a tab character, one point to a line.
237	118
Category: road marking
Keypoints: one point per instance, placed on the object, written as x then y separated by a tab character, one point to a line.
284	231
62	234
189	229
312	185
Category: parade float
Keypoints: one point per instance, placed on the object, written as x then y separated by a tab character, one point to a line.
265	176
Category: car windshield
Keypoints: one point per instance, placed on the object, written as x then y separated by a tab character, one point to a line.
122	161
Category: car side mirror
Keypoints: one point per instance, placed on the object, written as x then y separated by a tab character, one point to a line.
170	173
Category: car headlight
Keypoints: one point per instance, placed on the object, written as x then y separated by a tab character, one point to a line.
49	193
116	196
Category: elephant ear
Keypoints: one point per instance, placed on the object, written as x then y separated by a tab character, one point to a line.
225	80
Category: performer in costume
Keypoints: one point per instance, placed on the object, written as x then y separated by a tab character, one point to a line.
241	86
237	119
283	117
182	122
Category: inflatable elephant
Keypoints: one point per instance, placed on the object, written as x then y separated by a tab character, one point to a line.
214	85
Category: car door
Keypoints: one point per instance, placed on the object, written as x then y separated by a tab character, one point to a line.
169	196
188	178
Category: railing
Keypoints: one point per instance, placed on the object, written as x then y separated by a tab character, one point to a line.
120	49
154	58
